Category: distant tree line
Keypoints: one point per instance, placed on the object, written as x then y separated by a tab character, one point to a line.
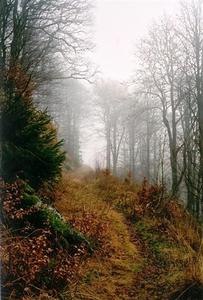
155	128
67	104
39	41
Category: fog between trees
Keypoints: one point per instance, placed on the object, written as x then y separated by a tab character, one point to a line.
129	224
150	126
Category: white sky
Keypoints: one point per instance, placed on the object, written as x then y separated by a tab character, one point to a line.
119	24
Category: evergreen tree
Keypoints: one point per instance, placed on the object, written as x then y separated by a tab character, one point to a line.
30	148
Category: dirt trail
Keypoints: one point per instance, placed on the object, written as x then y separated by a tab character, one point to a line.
136	266
81	173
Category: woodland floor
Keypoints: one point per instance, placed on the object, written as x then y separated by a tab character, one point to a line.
144	259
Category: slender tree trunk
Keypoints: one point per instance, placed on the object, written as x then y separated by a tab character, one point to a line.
148	150
174	170
173	154
114	147
200	120
155	171
108	145
132	147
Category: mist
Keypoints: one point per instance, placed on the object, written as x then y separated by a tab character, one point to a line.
101	155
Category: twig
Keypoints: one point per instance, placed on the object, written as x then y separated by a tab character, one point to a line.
189	287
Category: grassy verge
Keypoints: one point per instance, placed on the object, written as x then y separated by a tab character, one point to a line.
144	244
146	251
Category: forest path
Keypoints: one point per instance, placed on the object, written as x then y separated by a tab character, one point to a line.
110	273
136	261
81	173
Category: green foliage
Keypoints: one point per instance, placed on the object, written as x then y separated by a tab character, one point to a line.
27	188
65	230
90	276
26	208
154	239
44	250
30	200
29	146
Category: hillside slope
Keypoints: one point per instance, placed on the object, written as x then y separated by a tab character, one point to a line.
150	247
106	239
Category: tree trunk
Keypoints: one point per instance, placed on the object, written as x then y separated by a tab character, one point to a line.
132	147
200	120
148	150
108	146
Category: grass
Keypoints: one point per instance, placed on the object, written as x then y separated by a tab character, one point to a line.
109	273
144	258
137	254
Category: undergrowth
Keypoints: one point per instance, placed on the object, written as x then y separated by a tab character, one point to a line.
42	248
105	239
161	245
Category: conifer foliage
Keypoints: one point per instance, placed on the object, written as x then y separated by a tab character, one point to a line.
30	149
29	146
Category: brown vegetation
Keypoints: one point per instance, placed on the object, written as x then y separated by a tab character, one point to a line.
146	246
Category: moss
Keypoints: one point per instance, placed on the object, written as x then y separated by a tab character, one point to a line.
69	235
27	188
46	215
90	276
30	200
138	267
156	241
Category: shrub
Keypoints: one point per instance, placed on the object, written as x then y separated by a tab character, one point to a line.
152	198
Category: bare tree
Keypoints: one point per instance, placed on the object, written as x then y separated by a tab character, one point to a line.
35	33
110	100
190	33
143	123
160	77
